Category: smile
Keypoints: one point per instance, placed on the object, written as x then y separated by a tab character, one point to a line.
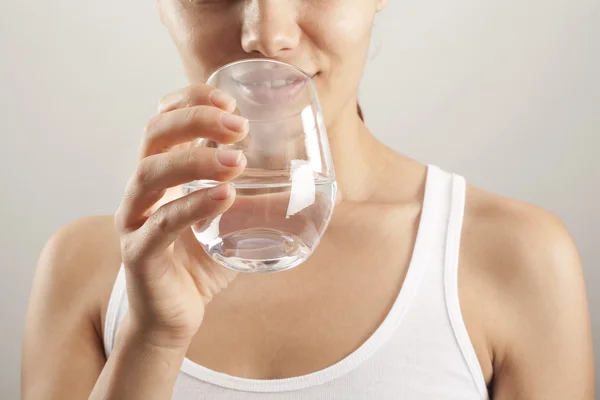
270	87
274	84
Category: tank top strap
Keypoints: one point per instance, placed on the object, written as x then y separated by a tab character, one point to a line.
451	265
117	308
436	313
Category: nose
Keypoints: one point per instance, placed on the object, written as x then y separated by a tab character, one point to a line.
270	27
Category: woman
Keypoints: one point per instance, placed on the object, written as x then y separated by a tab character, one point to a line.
129	307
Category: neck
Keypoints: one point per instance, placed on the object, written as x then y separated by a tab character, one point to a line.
356	154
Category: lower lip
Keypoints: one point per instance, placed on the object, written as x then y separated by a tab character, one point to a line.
265	95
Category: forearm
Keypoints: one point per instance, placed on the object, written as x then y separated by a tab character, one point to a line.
138	369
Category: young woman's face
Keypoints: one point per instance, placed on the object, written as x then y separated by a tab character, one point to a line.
328	39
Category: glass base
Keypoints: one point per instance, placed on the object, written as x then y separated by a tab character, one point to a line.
260	251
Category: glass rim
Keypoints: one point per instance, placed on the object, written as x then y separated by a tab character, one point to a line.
254	60
308	79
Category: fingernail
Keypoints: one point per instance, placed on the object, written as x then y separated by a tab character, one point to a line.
234	122
229	158
222	100
220	192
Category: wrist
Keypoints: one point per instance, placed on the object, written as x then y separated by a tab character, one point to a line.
133	331
140	366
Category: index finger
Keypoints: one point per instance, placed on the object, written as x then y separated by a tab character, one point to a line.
196	95
165	131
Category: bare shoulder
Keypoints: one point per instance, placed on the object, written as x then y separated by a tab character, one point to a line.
518	238
62	345
81	260
523	298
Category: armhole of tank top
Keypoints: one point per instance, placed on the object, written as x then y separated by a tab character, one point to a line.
455	221
112	311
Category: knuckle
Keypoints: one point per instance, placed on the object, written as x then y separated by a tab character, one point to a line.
192	115
203	162
164	102
131	192
122	217
215	119
129	255
193	96
141	174
194	206
164	98
161	222
193	158
151	125
187	205
204	119
119	221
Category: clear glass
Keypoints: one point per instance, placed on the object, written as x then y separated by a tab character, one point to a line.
286	195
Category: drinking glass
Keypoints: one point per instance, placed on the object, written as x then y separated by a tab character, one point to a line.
286	194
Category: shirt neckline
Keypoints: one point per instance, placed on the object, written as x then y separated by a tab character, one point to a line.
418	262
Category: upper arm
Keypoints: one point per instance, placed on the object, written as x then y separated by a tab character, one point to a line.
62	347
537	314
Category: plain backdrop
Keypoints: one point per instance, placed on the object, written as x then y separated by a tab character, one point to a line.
505	93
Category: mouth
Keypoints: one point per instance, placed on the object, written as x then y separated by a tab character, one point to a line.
270	84
274	86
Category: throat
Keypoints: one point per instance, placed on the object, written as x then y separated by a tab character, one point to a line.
359	159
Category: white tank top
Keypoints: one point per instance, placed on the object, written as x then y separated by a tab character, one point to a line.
421	351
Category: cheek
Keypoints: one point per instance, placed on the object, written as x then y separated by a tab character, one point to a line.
204	44
210	50
342	36
342	30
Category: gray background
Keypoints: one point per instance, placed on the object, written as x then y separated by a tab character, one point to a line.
505	93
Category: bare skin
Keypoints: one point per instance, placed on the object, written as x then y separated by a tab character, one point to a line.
520	279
